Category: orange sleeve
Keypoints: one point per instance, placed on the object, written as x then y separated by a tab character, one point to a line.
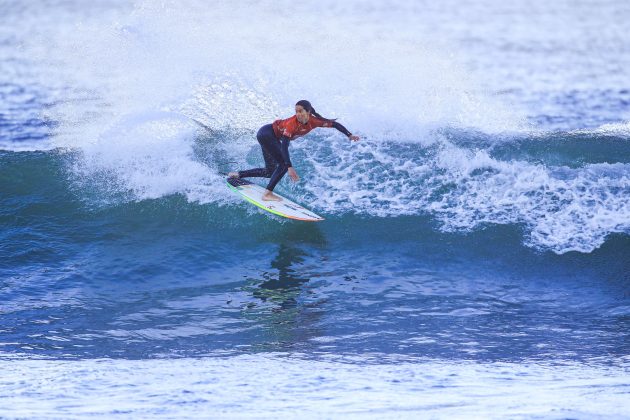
321	123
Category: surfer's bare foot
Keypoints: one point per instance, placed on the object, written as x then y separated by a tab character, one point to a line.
269	196
233	175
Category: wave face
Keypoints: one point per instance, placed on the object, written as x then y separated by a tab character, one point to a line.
438	141
480	225
563	191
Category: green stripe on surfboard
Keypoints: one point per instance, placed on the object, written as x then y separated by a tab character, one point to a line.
293	210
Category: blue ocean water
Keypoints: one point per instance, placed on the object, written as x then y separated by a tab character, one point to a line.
475	257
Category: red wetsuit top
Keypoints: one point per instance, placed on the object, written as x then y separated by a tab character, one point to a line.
291	128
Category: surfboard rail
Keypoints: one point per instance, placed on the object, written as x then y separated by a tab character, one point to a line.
285	208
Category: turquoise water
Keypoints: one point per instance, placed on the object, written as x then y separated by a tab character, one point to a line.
475	255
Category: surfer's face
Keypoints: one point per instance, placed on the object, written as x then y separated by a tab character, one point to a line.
301	114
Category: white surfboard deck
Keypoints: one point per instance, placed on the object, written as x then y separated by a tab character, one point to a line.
285	208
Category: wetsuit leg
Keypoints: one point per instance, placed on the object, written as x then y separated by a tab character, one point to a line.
274	163
277	175
270	163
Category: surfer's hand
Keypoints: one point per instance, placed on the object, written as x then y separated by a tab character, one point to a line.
354	138
294	176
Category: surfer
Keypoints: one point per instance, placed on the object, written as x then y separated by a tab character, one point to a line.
274	140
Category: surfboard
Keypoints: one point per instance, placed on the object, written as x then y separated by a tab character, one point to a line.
285	208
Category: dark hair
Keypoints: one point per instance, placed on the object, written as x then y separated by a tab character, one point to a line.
309	108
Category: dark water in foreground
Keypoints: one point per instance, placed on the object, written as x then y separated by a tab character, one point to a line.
164	277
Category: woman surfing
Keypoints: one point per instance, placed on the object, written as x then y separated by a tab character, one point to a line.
274	140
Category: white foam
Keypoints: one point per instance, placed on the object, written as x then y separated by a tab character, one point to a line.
148	156
239	66
272	385
562	209
613	129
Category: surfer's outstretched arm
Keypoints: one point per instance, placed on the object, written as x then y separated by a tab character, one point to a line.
345	131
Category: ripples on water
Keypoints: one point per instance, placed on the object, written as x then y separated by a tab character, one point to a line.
271	385
113	301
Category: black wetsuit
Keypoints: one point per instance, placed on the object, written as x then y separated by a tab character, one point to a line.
276	155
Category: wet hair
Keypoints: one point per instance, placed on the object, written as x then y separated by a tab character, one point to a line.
309	108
